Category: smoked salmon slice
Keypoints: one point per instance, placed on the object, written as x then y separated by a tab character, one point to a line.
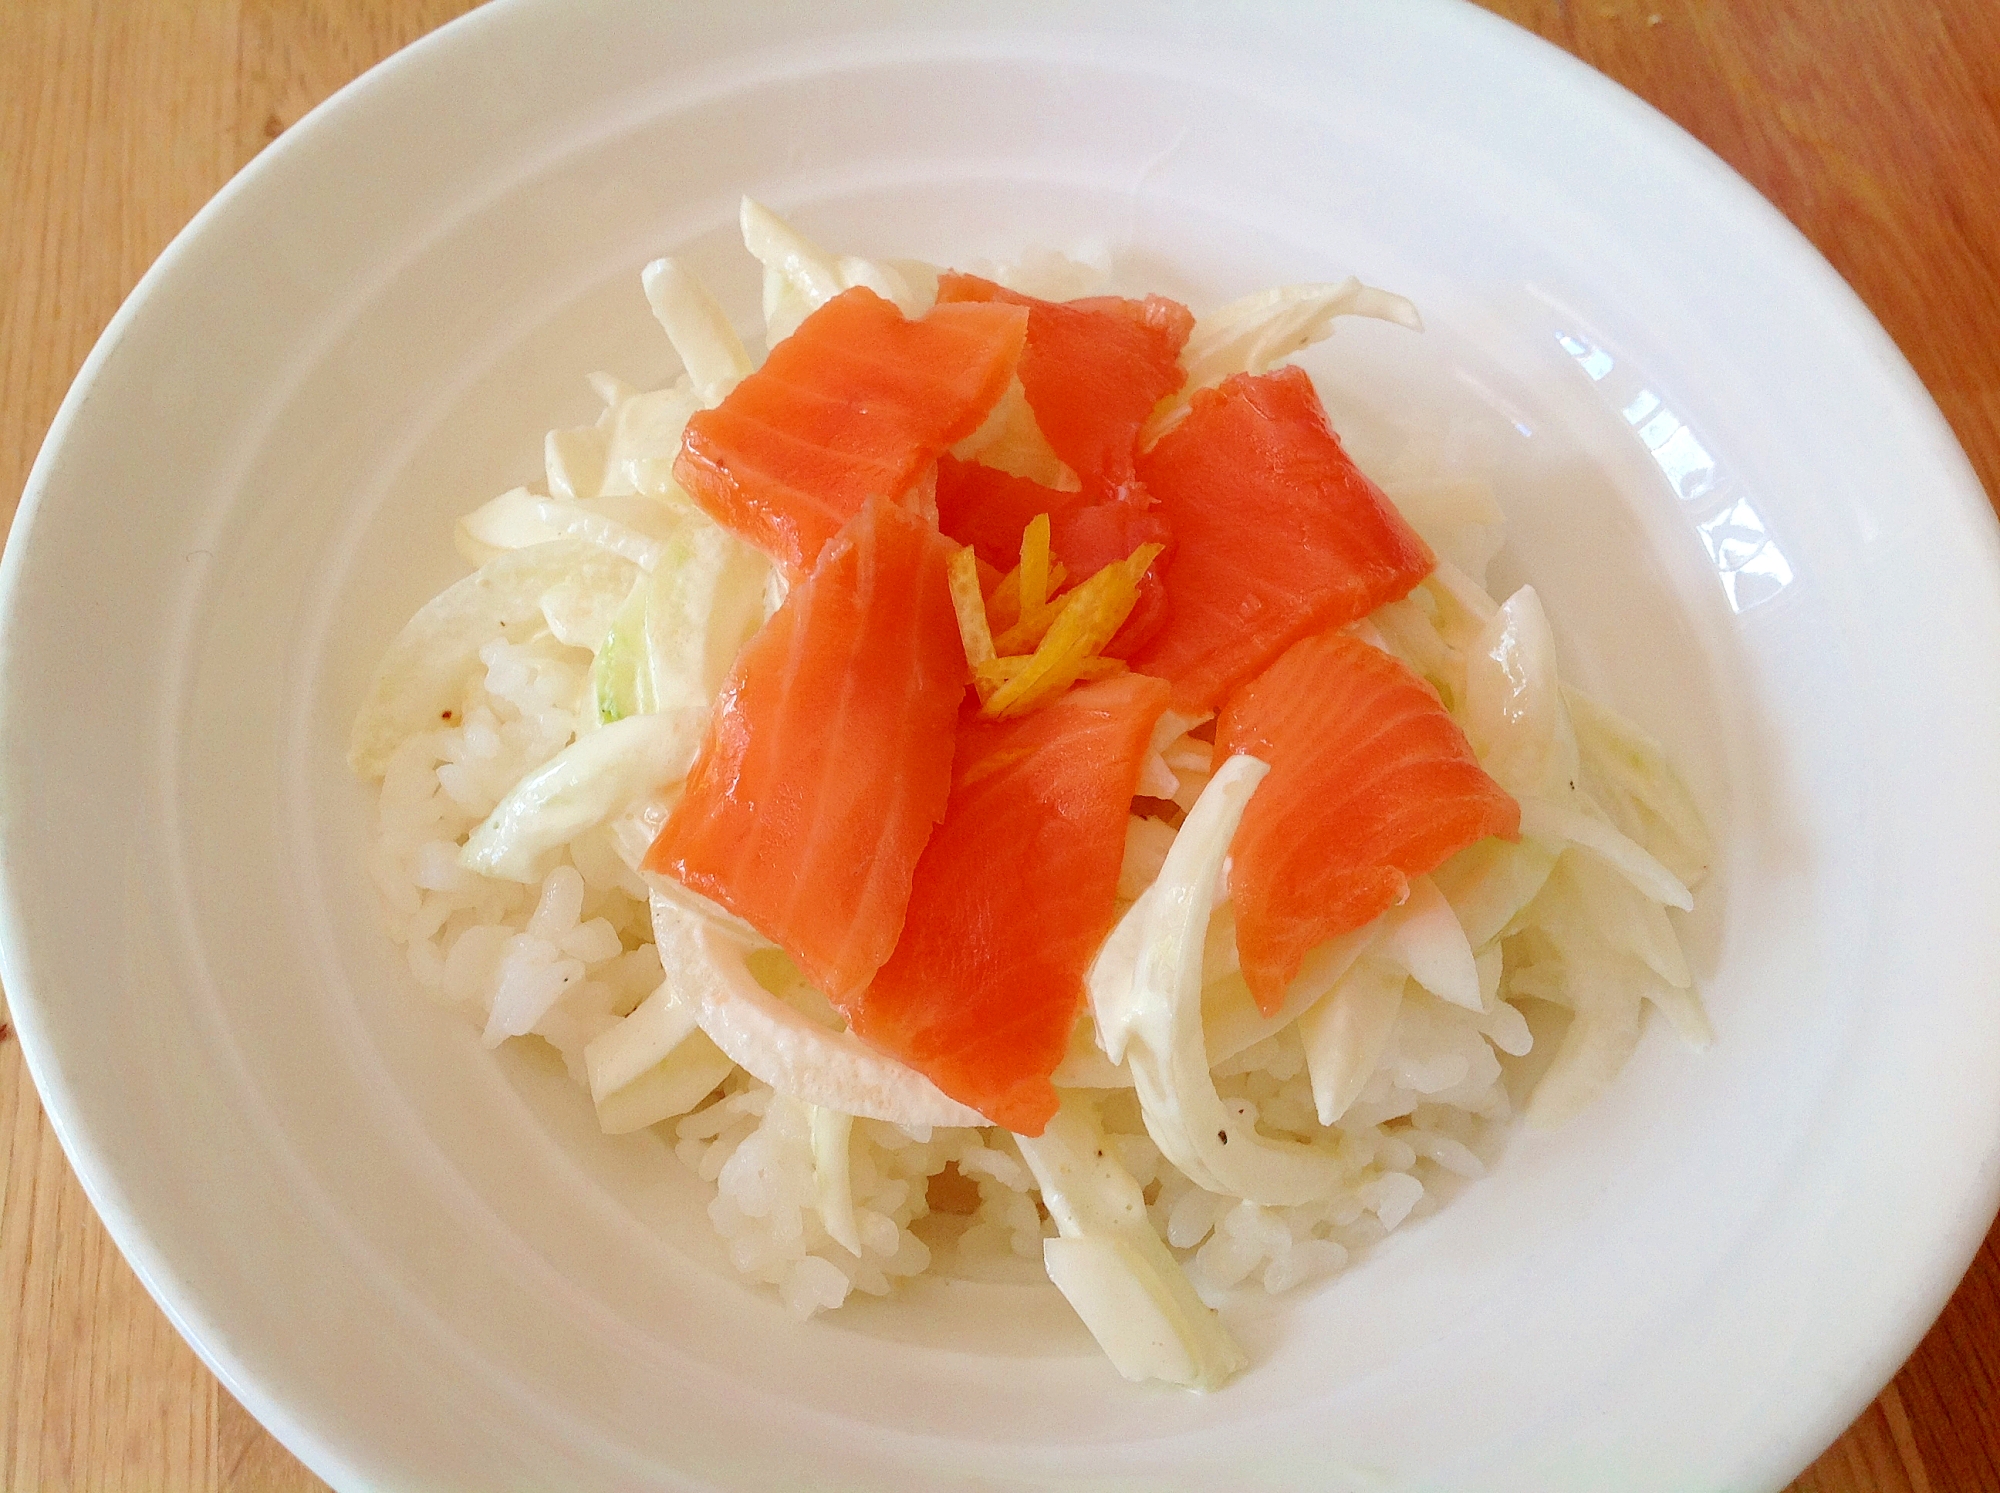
857	403
828	761
990	509
1089	538
1371	783
1012	898
1092	371
1278	535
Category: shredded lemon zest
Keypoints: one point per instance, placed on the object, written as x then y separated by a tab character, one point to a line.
1088	619
1034	566
989	676
1025	643
1003	602
973	630
1024	635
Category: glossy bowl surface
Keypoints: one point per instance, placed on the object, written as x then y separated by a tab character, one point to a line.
422	1267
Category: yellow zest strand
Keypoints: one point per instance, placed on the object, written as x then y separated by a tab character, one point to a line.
997	671
988	677
1090	618
1034	566
1003	602
1025	635
973	630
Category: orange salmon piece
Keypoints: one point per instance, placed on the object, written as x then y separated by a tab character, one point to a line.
1092	371
828	761
856	403
1013	896
1371	783
1278	534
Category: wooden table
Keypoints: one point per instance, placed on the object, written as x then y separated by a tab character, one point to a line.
1875	124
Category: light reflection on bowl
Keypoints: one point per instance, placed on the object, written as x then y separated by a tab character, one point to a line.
1752	567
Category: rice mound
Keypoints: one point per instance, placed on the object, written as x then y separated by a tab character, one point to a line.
1576	927
565	960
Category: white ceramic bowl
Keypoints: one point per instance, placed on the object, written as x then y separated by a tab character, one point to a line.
423	1268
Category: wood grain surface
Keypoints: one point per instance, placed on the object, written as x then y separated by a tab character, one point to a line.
1874	124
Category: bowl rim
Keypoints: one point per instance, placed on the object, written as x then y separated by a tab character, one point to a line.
98	1170
95	1168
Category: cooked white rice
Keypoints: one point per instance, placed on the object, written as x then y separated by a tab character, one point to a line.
563	961
563	958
